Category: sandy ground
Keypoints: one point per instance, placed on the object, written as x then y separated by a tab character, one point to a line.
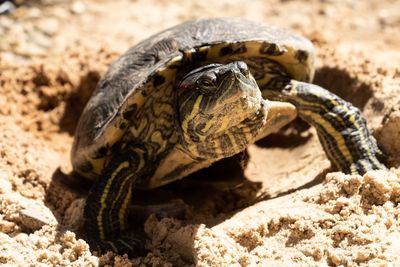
284	209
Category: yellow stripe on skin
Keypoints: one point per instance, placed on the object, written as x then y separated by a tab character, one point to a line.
341	144
331	158
222	124
122	211
208	125
195	109
232	139
353	120
122	189
322	107
104	197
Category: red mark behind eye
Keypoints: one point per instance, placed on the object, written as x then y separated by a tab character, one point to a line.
184	87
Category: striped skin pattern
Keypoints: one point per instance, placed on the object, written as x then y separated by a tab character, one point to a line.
341	129
107	204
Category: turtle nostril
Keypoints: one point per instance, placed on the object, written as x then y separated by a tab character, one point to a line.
242	66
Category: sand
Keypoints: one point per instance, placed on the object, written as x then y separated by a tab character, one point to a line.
285	208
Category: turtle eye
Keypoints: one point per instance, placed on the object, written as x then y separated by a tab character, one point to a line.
206	84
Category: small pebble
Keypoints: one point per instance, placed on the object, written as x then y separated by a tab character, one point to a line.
49	26
78	7
6	7
35	219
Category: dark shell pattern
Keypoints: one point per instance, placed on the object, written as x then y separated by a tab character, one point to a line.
135	98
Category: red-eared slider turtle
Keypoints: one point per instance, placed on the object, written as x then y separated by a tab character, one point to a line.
191	95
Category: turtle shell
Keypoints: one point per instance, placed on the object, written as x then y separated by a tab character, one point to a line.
151	67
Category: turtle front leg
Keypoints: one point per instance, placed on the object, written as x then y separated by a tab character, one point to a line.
341	129
105	213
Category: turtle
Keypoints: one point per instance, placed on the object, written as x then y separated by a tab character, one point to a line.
191	95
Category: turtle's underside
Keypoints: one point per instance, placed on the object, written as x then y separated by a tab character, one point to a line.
191	95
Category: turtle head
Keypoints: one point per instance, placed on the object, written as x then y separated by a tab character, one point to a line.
216	97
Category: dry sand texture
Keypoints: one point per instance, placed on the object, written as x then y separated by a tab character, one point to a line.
289	211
